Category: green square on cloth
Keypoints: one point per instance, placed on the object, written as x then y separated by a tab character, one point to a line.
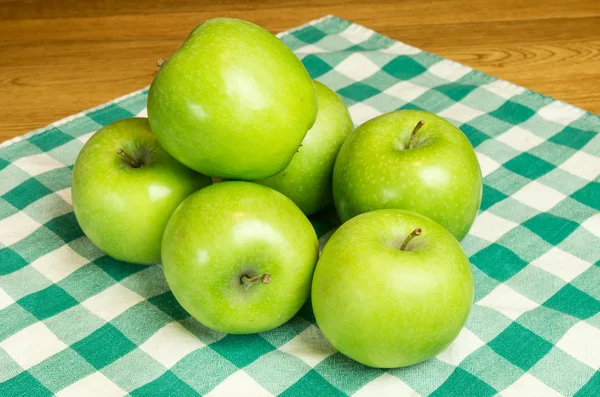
74	321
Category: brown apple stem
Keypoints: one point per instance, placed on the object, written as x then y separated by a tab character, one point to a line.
133	162
420	124
160	62
408	238
265	279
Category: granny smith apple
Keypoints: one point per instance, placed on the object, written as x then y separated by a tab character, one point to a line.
307	179
411	160
392	288
239	257
125	188
233	102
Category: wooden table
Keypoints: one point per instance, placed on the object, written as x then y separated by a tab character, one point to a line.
59	57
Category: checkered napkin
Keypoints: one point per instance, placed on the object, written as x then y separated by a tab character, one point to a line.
76	322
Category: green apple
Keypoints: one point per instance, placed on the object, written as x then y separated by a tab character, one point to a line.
410	160
125	188
307	179
392	288
239	257
233	102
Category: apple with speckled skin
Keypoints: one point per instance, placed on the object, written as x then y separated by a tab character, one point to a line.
307	179
125	187
412	160
392	288
239	257
233	102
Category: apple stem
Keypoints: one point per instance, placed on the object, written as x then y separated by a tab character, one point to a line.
160	62
265	279
408	238
133	162
420	124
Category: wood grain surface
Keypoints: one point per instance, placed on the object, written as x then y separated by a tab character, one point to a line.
59	57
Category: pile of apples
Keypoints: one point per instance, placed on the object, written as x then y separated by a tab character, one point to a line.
239	147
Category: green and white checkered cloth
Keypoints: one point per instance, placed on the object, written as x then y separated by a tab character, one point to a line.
76	323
